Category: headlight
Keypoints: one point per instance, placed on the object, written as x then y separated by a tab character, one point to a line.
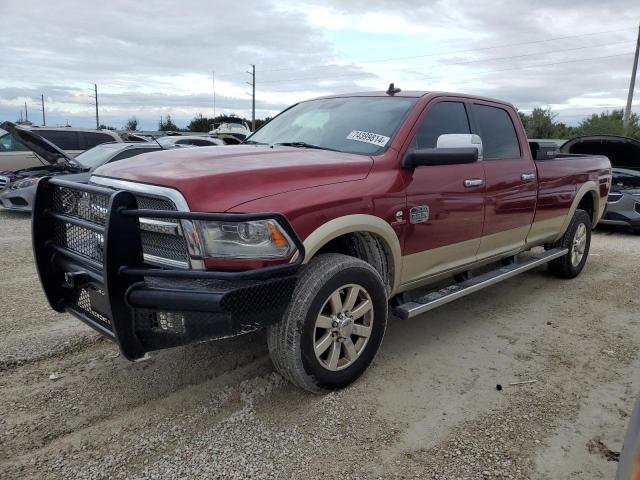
30	182
258	239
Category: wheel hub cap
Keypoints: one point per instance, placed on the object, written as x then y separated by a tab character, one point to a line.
579	244
343	327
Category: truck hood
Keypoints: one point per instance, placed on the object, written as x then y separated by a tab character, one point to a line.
219	178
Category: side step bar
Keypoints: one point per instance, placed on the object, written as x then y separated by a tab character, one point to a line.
448	294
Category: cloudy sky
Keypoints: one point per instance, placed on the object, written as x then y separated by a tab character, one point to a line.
152	59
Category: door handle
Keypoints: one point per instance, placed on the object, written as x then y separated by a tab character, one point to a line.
473	182
528	177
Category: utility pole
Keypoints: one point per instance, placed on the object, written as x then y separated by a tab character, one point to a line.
44	123
632	85
214	94
26	113
253	97
95	88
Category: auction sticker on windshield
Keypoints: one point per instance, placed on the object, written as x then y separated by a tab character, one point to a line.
368	137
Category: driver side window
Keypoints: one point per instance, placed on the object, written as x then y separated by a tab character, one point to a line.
443	118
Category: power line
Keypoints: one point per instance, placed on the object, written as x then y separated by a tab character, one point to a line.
490	71
510	57
436	54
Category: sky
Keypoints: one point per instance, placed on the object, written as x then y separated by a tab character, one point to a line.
157	58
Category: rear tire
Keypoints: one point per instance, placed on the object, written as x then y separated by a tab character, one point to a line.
333	326
577	239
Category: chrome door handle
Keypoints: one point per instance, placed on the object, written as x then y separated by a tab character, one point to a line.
473	182
528	177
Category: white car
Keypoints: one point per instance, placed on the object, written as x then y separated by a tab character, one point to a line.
15	155
189	141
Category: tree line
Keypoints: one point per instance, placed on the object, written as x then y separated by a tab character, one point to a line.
199	123
542	123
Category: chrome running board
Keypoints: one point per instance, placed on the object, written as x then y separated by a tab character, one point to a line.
442	296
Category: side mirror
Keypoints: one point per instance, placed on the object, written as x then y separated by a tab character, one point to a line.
451	149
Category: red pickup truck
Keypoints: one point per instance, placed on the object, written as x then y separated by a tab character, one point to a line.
335	212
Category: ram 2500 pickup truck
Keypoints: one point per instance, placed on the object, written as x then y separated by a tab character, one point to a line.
334	213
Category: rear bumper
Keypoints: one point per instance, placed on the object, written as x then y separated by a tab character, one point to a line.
139	307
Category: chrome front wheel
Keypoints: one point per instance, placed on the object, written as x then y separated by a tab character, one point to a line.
343	327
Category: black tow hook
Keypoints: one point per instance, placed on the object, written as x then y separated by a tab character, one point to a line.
76	280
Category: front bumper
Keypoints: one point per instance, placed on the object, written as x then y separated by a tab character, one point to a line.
139	307
20	200
625	211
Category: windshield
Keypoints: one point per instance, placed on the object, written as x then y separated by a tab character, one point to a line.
363	125
96	156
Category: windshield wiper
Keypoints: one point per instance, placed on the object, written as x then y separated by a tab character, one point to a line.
304	145
253	142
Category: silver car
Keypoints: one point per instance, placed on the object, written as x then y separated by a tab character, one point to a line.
17	189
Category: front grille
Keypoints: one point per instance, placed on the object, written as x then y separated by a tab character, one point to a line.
156	246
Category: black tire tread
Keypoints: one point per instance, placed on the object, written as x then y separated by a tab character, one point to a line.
284	337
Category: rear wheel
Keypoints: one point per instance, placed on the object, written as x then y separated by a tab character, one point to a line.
577	239
333	326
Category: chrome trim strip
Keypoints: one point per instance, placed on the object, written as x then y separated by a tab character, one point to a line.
155	260
445	295
194	246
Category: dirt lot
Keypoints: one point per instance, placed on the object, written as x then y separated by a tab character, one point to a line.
429	407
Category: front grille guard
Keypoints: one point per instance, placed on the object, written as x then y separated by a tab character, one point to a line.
76	282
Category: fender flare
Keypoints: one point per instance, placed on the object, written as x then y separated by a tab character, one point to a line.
353	224
587	188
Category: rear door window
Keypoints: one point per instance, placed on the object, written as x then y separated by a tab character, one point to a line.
443	118
64	140
495	127
92	139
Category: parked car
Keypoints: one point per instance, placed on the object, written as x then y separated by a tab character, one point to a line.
335	212
17	189
14	155
231	133
623	206
189	141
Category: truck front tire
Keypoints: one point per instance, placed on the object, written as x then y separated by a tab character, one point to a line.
333	326
577	239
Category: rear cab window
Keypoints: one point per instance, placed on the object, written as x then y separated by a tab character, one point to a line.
497	131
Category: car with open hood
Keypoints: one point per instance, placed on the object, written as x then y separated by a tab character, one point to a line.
15	155
17	188
623	204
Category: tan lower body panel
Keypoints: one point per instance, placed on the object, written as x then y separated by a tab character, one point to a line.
431	265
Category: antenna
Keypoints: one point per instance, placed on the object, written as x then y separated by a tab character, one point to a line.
392	90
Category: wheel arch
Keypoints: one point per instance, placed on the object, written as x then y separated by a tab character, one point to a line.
586	196
359	223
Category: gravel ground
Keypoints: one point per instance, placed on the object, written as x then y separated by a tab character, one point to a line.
71	407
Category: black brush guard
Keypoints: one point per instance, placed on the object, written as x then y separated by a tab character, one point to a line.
89	256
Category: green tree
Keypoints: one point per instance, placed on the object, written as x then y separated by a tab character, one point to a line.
106	127
609	123
541	123
131	125
167	125
200	124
